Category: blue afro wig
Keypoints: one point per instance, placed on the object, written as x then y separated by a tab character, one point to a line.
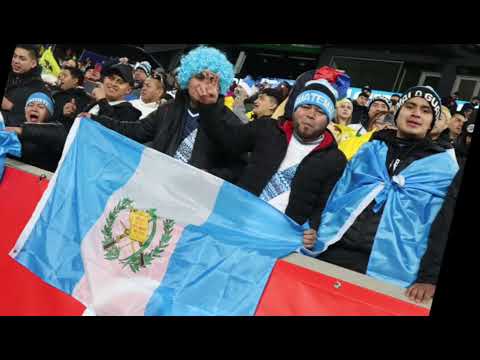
206	58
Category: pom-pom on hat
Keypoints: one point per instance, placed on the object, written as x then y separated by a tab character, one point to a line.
328	86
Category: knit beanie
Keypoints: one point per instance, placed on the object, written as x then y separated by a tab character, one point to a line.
425	92
145	66
382	99
41	98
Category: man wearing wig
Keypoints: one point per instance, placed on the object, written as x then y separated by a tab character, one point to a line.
379	216
293	166
173	128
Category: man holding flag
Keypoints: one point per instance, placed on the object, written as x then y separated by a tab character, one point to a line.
294	166
174	127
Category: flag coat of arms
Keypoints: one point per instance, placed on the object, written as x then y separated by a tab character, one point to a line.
128	230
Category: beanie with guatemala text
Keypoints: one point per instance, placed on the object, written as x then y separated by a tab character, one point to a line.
328	86
428	94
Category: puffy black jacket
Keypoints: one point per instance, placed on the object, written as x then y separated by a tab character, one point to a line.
163	128
123	111
353	250
268	142
6	115
82	101
19	88
42	144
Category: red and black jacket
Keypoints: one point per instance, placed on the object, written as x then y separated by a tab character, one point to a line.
267	142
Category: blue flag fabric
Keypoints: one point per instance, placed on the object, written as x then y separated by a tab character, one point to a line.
127	230
9	144
411	201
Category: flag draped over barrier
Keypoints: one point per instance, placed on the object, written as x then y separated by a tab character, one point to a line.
127	230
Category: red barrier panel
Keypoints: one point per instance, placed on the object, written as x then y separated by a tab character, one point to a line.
293	290
23	293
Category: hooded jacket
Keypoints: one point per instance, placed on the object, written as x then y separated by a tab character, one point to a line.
268	141
42	144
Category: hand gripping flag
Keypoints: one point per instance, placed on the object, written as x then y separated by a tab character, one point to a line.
127	230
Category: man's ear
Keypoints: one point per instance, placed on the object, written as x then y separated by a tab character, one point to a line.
273	104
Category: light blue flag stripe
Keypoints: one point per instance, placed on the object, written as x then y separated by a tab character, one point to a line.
52	251
222	267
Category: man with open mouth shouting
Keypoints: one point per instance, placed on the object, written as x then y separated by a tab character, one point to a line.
42	138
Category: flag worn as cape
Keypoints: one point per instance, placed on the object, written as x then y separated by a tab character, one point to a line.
411	200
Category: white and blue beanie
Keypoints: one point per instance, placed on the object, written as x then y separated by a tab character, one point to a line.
145	66
319	93
42	98
382	99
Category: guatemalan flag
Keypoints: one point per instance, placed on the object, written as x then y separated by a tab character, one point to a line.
127	230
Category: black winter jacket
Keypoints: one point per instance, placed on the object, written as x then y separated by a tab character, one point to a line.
163	128
19	88
123	111
353	250
82	101
268	142
42	144
432	259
